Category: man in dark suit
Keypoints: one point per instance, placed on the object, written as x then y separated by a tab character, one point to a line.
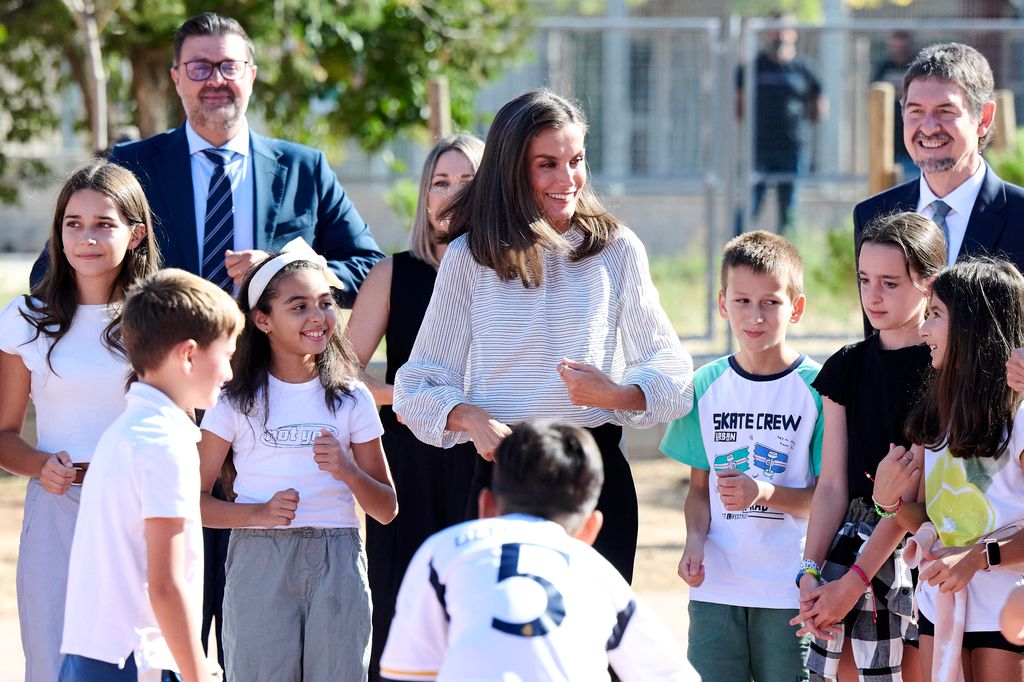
948	111
268	191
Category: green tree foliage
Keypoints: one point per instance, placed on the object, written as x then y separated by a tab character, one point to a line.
327	70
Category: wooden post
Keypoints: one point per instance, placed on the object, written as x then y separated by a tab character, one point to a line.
881	109
1004	136
440	108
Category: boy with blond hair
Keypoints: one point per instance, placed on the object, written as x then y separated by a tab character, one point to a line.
135	583
753	442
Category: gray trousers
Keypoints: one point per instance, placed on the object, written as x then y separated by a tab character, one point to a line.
296	606
42	579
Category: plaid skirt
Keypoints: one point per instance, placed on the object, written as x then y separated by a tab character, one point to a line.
876	641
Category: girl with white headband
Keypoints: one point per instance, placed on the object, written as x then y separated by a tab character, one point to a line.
305	436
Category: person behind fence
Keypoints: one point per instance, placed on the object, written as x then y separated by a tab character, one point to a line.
544	308
787	96
56	347
965	474
135	582
899	54
305	441
432	485
754	438
519	594
948	111
856	597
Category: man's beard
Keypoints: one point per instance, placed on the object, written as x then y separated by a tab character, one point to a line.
225	116
935	165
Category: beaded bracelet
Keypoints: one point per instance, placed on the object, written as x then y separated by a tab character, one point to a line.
810	564
809	570
880	509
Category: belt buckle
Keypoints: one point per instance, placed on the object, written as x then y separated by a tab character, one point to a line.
79	476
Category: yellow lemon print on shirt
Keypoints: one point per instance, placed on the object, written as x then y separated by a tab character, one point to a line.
960	511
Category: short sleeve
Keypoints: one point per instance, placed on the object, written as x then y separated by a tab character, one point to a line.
17	337
167	476
418	637
221	420
683	440
832	380
809	372
364	420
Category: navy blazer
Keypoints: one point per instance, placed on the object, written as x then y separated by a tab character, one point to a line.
995	228
296	194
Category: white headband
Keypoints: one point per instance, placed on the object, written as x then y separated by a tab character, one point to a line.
295	250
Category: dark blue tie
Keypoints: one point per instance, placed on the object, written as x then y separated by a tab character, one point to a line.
220	226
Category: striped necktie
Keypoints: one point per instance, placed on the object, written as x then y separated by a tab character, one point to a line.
940	209
219	234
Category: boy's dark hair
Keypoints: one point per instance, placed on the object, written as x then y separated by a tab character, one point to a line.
171	306
919	240
210	24
766	254
549	470
337	366
961	65
968	405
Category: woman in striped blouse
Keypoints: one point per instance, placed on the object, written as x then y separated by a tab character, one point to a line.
544	308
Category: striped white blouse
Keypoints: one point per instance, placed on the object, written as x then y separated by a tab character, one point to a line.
495	344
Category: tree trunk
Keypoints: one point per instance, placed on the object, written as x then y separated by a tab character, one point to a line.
151	88
73	57
96	78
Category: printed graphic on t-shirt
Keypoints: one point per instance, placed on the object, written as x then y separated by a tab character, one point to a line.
764	461
295	435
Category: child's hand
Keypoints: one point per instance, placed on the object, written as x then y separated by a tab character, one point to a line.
826	605
691	565
57	474
279	510
737	490
1015	370
898	474
332	458
953	567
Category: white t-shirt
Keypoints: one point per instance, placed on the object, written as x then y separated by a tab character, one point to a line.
515	599
967	498
769	427
146	466
82	368
279	455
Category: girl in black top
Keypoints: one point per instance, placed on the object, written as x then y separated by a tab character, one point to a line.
867	390
433	485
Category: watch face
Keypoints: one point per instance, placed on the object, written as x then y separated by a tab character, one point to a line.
992	553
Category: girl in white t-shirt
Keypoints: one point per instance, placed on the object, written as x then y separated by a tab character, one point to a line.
61	347
966	475
305	437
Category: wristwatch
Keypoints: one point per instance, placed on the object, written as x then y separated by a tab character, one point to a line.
992	554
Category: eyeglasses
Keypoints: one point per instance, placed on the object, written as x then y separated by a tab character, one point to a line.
201	70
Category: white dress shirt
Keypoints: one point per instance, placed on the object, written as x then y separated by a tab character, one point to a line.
495	344
961	203
239	172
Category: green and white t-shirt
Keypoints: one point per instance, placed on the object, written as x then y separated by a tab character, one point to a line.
769	427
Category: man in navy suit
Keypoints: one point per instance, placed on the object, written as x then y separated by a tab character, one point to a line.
278	190
948	111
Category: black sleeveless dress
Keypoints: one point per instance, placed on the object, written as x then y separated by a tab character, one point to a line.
432	484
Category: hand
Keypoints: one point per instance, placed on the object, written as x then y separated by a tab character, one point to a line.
332	458
953	567
1015	370
279	510
829	604
737	490
239	262
691	564
588	386
57	473
898	474
487	435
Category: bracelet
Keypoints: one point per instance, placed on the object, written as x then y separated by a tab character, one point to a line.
881	511
869	594
809	564
895	505
809	571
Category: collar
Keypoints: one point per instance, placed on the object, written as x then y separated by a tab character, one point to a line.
197	143
961	199
141	393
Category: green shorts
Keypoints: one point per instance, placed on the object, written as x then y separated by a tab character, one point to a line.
743	643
